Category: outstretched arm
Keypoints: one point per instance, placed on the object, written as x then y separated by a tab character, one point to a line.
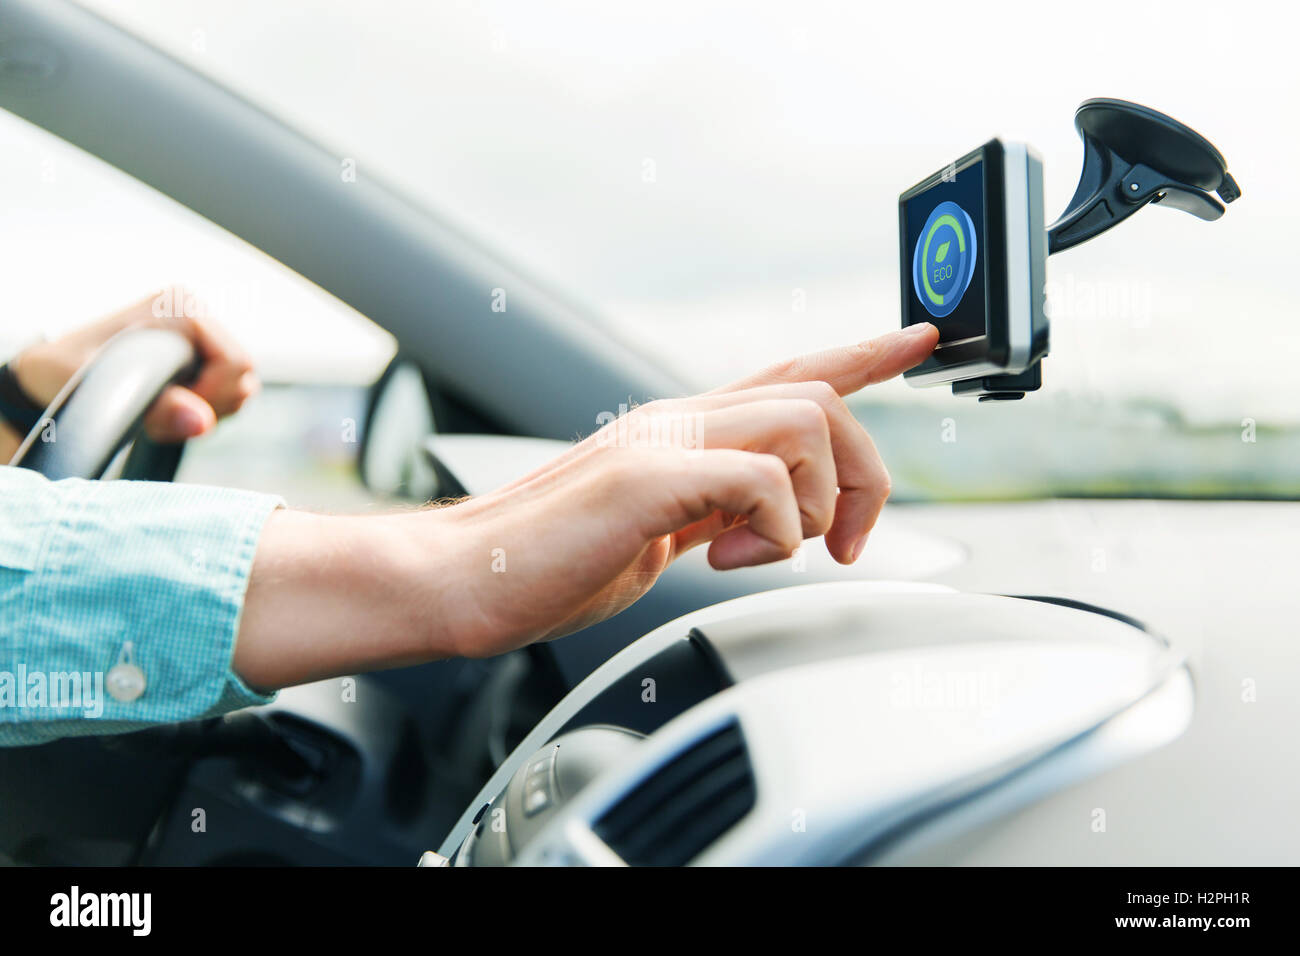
764	464
216	597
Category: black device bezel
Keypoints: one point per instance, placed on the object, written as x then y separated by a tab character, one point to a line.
994	346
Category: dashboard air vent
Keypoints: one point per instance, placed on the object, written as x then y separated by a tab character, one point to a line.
689	802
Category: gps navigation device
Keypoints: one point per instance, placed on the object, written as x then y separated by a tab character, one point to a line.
973	246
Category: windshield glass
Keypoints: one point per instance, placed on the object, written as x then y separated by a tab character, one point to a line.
720	183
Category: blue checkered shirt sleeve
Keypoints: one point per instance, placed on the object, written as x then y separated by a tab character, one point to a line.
98	576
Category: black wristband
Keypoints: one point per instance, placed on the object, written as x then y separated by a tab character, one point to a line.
16	406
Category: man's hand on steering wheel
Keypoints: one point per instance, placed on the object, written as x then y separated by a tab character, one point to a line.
226	378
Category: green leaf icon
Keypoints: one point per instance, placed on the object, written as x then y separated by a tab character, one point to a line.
943	252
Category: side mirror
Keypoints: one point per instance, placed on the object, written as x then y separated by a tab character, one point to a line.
399	418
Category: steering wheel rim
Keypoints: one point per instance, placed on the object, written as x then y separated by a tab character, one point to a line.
103	405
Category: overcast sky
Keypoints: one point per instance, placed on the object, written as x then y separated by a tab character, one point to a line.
779	137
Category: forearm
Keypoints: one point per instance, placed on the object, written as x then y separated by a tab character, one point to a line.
334	595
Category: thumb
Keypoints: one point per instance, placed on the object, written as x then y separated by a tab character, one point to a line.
177	415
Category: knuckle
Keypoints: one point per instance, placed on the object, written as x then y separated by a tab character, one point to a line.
886	483
867	351
823	393
772	470
818	517
807	414
815	434
788	370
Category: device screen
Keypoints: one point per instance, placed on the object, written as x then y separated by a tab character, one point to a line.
946	234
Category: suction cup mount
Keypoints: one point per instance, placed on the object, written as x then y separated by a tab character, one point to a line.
1132	155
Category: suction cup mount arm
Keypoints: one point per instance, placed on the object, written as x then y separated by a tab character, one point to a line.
1133	155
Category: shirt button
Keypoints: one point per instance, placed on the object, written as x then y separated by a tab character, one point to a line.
125	682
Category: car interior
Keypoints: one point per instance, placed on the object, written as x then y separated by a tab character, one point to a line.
1005	676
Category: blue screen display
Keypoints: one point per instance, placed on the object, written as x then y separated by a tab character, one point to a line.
945	235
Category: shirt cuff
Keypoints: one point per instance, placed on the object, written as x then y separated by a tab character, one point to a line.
137	573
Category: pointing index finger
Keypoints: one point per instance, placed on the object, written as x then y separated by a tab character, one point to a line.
850	367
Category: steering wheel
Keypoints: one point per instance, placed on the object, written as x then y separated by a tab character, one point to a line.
101	408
